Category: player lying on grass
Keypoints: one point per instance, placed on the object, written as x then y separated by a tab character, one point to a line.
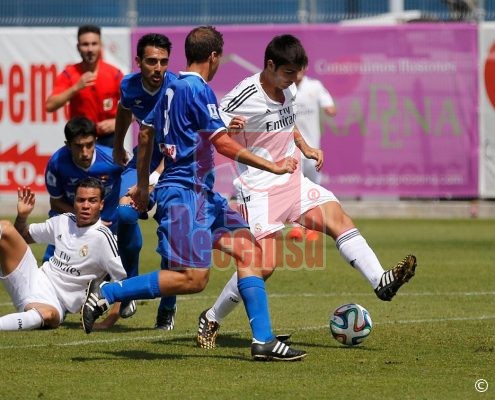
85	249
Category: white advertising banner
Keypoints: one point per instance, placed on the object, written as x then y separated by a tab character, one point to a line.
487	110
31	59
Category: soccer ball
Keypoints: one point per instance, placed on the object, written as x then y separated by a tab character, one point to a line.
350	324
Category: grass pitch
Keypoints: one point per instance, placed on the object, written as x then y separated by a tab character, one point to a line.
435	340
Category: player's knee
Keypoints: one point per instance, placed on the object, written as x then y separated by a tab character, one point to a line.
127	214
197	281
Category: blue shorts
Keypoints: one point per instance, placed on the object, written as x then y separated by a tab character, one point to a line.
189	223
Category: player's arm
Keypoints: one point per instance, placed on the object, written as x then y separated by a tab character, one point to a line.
25	205
55	101
228	147
60	206
155	175
331	111
308	151
122	122
140	196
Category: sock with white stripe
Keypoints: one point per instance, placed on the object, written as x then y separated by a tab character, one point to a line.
226	302
21	321
144	286
356	251
253	293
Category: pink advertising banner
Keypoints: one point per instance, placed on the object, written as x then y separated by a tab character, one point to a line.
407	100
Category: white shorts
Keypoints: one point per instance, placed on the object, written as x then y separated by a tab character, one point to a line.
268	211
29	284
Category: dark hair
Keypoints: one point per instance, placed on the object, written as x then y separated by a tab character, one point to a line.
79	126
88	28
155	40
284	50
91	182
201	42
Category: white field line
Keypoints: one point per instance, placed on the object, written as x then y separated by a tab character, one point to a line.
320	295
188	336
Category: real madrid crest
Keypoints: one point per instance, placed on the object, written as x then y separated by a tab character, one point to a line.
83	252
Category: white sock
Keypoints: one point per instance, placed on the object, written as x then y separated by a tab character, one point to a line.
356	251
21	321
226	302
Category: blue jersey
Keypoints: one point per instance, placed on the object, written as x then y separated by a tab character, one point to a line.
62	175
135	97
184	119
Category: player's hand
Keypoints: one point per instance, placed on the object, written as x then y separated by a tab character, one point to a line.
120	156
110	320
314	154
285	166
107	223
25	201
237	124
86	79
105	127
140	198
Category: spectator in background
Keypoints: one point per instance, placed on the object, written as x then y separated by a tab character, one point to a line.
312	98
91	87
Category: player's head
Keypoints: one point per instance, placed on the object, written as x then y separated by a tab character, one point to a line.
285	58
286	50
80	138
89	43
88	201
153	52
204	44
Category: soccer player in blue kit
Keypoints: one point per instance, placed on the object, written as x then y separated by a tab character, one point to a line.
193	218
139	92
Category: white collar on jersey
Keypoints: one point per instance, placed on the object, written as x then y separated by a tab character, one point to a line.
191	73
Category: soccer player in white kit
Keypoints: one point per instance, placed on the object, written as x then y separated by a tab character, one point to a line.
85	249
267	101
312	99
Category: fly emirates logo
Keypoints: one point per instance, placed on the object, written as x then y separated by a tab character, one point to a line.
283	118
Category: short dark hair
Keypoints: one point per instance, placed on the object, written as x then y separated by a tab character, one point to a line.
284	50
79	126
91	182
87	29
155	40
201	42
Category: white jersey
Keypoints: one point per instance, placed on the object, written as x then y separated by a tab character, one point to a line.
81	254
268	131
311	97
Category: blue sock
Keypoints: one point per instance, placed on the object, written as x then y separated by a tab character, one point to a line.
130	240
253	293
140	287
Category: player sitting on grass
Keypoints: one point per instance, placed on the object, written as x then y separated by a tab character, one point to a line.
85	249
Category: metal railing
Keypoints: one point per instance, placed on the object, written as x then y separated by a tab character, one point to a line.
220	12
